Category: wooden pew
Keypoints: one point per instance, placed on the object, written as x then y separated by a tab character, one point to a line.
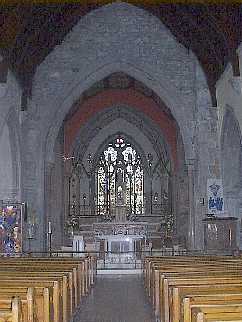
182	271
42	277
197	302
13	314
81	286
159	273
27	301
220	313
182	264
182	291
69	294
53	286
65	279
41	299
86	268
169	283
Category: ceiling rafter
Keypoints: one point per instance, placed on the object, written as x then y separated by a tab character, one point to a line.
21	39
191	22
213	32
220	30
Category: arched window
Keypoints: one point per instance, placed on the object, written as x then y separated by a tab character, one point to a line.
120	178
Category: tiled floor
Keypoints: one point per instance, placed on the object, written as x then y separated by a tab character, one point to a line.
116	298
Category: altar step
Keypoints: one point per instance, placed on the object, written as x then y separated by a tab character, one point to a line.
117	271
132	264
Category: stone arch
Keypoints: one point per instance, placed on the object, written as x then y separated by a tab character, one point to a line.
10	158
149	62
231	156
141	131
14	140
120	37
174	103
131	140
118	124
136	118
10	142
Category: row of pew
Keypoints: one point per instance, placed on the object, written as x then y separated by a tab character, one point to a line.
194	289
41	289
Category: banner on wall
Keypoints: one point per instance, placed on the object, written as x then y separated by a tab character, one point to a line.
10	228
215	196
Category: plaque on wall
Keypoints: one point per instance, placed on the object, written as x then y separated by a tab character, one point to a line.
215	196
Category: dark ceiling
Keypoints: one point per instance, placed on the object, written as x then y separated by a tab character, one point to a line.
30	32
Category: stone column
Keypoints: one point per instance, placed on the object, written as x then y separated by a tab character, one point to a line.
175	206
47	200
33	181
191	228
66	191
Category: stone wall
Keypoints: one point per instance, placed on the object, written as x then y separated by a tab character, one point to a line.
229	98
118	37
121	37
10	96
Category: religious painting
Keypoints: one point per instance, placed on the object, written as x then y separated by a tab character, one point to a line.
215	196
10	229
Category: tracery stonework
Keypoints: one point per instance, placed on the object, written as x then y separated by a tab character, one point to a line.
120	179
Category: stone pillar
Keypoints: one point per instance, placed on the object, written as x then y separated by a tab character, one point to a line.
33	181
47	200
66	191
191	228
174	206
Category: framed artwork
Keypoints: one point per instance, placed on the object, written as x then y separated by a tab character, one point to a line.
10	228
215	196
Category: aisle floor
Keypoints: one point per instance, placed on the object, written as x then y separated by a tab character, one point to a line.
116	298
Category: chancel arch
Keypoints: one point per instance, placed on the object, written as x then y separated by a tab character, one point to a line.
67	80
154	136
122	99
122	119
147	69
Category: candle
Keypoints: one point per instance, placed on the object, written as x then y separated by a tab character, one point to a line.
30	231
49	227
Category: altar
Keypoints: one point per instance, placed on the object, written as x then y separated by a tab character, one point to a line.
122	242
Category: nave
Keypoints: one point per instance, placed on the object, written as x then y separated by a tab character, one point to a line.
116	298
120	137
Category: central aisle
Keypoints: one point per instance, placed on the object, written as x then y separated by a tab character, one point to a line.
116	298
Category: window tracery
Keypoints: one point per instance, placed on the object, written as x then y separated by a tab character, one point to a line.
120	178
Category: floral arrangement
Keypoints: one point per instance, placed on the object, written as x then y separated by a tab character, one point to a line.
169	223
71	224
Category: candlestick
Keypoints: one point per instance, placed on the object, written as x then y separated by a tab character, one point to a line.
49	227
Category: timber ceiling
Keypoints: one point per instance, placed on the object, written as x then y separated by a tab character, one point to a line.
30	32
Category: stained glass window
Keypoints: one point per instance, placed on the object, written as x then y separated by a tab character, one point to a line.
120	178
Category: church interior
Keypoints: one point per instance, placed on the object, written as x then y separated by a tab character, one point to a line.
120	162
